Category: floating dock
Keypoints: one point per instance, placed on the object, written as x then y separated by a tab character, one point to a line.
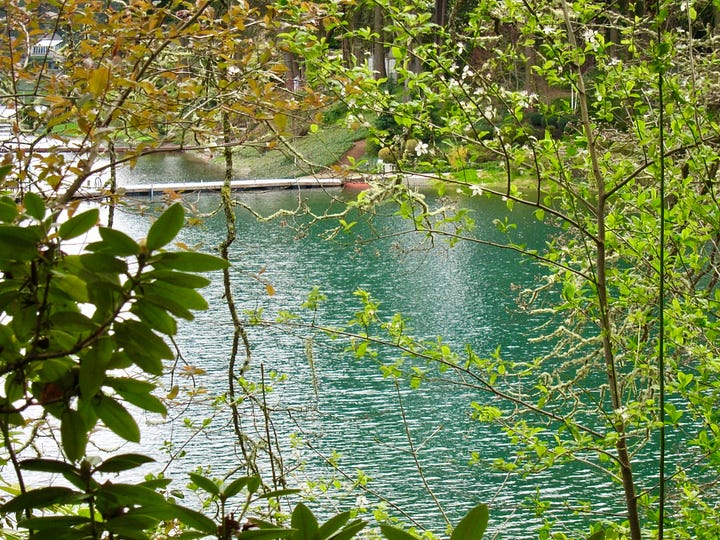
150	190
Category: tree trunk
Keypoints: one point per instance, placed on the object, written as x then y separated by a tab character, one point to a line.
293	76
440	16
601	284
379	67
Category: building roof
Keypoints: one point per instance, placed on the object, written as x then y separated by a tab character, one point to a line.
49	42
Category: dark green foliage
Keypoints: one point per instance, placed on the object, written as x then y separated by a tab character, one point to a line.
58	354
386	124
335	113
555	123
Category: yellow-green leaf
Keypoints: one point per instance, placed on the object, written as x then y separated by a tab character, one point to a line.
99	80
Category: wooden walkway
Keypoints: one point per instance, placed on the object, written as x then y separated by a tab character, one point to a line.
151	190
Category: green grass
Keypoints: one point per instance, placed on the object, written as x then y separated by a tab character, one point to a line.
66	129
320	149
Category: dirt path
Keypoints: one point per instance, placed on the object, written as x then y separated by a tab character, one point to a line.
356	152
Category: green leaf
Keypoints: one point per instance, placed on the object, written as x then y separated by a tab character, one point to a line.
18	243
304	521
55	534
34	205
46	465
166	227
168	304
473	525
13	418
130	524
395	533
181	279
193	519
114	242
72	322
350	531
266	534
8	208
278	493
93	366
186	298
332	525
130	495
234	487
190	261
117	419
600	535
73	434
146	348
155	316
123	462
205	484
134	386
42	498
253	484
102	263
52	522
54	369
146	402
77	479
79	224
157	483
137	392
5	170
74	287
262	524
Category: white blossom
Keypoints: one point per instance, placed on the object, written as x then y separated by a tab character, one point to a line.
421	148
476	190
526	99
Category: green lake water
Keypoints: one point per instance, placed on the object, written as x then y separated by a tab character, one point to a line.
467	294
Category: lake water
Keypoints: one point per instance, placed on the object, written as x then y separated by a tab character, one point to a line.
466	294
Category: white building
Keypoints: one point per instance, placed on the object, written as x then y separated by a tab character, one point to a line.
47	50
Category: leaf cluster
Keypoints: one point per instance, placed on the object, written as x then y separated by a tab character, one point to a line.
80	335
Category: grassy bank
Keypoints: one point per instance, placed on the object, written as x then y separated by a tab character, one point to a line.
314	152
